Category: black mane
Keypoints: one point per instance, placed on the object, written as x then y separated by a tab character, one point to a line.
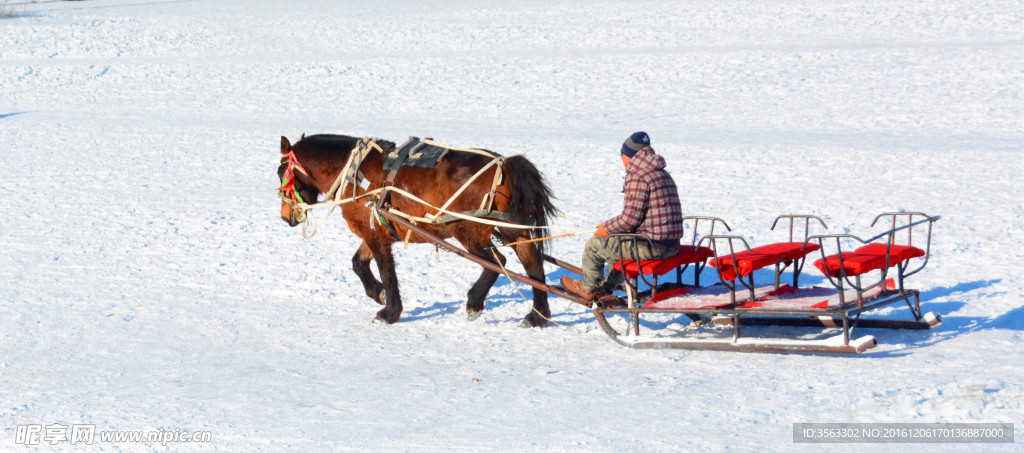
329	144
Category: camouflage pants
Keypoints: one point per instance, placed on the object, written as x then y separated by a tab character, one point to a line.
601	250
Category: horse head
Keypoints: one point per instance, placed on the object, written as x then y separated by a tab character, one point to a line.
296	187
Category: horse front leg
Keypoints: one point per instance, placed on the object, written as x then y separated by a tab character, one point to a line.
386	265
361	265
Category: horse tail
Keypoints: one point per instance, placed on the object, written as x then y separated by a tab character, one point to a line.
530	197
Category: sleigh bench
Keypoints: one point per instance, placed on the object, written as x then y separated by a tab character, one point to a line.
690	254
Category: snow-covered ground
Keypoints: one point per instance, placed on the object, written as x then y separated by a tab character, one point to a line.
148	283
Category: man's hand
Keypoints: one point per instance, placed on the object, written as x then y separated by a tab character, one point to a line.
600	231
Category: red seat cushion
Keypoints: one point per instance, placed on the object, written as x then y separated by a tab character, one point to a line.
688	254
759	257
868	258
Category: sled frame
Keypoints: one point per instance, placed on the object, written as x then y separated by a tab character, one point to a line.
847	317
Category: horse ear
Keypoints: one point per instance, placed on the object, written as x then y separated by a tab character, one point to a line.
285	145
303	136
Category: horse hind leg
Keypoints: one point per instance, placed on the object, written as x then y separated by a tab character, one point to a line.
361	265
480	245
477	296
533	262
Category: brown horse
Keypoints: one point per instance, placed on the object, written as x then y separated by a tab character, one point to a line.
310	167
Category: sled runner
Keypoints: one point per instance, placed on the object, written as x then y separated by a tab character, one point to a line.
737	302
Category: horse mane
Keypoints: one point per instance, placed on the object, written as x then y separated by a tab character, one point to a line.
328	151
325	147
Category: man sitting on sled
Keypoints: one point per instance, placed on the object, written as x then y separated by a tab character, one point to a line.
651	208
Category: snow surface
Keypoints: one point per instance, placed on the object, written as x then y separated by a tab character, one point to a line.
147	281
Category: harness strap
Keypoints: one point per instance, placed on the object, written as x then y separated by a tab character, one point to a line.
397	160
497	161
393	164
480	213
350	173
488	201
482	152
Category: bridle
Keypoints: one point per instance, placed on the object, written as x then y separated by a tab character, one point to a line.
287	191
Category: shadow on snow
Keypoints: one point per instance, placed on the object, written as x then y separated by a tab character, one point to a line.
952	326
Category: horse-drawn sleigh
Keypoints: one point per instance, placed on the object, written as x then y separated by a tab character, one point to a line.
425	192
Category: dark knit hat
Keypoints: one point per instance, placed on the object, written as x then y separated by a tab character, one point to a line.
635	143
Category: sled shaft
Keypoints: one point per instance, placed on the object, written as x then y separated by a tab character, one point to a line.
398	220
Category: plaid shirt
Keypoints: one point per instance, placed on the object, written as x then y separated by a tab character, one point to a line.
652	200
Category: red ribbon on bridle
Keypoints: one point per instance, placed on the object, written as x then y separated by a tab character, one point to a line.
287	190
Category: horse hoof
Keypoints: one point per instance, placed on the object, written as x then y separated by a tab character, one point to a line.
533	320
382	297
386	317
474	315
